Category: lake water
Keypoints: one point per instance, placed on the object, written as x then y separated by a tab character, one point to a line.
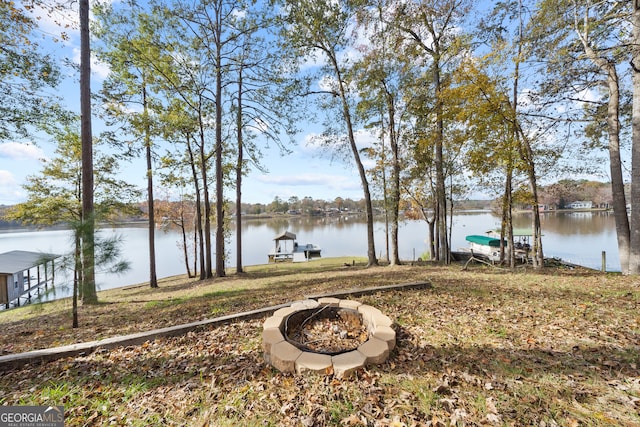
578	237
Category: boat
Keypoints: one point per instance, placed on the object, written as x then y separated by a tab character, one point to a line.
485	246
488	246
287	249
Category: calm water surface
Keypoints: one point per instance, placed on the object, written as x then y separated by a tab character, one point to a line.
575	237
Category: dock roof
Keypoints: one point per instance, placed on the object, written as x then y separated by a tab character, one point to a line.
287	235
16	261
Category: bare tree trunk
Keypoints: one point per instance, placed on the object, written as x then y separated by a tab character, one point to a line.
77	268
432	245
385	195
506	232
198	219
395	179
507	223
153	279
371	249
436	230
527	155
239	163
634	253
185	245
385	198
196	243
89	295
441	195
217	30
208	270
538	253
615	164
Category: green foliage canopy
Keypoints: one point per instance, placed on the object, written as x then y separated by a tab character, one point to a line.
25	74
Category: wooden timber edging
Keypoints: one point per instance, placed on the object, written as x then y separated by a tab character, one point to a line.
17	360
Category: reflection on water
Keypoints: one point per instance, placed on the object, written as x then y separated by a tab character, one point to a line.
575	237
583	223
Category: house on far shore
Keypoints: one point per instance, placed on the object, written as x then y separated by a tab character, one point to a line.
581	204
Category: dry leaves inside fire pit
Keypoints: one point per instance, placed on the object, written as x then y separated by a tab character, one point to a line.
328	330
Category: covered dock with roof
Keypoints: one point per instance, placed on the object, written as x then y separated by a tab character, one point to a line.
24	273
295	253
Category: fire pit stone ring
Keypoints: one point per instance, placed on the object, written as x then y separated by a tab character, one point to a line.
287	355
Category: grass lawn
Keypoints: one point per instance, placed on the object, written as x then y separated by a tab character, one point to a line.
483	347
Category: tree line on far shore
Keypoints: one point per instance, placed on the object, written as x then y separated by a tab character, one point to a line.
558	195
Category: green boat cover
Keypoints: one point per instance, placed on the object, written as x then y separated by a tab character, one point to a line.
484	240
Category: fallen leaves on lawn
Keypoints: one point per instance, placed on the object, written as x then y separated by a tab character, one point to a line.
478	349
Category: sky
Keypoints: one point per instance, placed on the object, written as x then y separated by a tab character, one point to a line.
306	172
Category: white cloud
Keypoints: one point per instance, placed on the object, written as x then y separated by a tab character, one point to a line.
312	60
20	151
333	182
98	68
125	108
239	14
317	58
588	95
59	17
526	98
10	191
6	179
365	138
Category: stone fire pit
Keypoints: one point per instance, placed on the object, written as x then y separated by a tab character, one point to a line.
328	335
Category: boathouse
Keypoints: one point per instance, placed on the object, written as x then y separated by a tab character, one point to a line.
295	253
23	273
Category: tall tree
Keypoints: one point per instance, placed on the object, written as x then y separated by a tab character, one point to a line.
433	29
600	57
180	166
182	77
310	28
213	31
579	43
55	196
239	165
89	293
264	114
128	46
634	255
514	48
483	109
384	80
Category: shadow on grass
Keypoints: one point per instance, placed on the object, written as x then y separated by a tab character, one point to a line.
513	363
